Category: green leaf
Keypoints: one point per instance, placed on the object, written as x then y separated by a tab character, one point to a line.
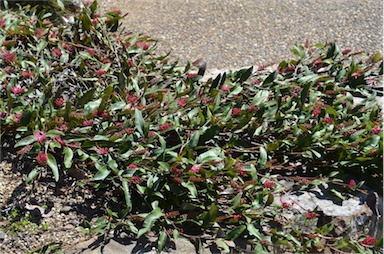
32	175
210	155
127	195
221	244
139	122
254	231
161	241
92	105
26	141
244	74
150	220
53	165
263	158
191	187
211	215
330	110
68	157
235	233
86	21
102	172
270	79
269	199
194	139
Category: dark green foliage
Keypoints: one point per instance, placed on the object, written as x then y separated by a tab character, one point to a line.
181	155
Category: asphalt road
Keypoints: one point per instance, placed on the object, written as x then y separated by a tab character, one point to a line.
235	33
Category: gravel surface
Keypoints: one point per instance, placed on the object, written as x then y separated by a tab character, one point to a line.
236	33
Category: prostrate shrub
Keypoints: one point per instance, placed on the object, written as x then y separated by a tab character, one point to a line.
182	156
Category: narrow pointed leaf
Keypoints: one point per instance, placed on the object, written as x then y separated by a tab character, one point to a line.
53	165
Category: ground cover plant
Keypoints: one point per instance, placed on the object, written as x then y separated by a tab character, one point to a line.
180	157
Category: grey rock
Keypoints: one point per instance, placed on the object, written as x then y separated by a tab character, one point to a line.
2	236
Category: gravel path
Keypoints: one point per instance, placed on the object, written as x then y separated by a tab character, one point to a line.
235	33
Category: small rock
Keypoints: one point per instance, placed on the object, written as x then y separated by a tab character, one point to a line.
2	236
69	226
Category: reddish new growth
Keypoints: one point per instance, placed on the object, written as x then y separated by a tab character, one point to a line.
42	158
165	126
311	215
269	184
235	112
59	102
369	240
40	136
17	90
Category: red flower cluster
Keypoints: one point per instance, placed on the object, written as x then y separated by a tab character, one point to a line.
56	52
136	180
92	52
101	72
235	112
253	108
369	240
269	184
59	102
165	126
99	113
311	215
42	158
351	184
102	150
26	74
132	166
132	98
182	101
143	45
195	169
236	217
327	120
39	32
376	130
40	136
316	112
17	90
225	88
191	74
